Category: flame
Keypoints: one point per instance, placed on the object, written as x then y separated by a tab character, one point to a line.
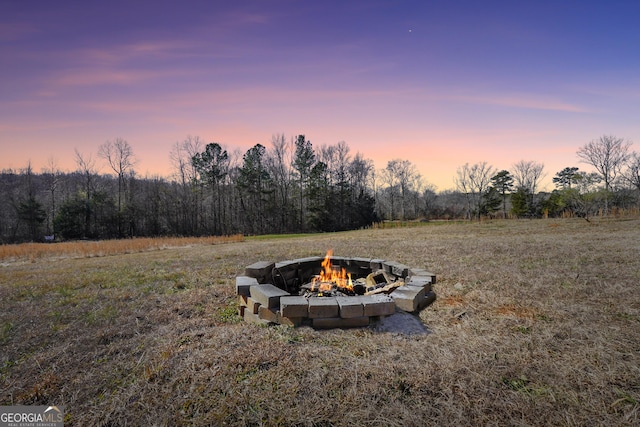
330	276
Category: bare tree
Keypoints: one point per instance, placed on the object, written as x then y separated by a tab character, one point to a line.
186	174
52	179
473	181
279	162
119	156
528	174
607	155
181	155
87	167
361	173
632	173
389	177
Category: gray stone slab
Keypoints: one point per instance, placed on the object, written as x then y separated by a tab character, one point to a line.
350	307
408	298
378	305
359	262
268	295
294	306
323	307
338	322
244	283
395	268
429	297
420	282
422	272
260	270
376	264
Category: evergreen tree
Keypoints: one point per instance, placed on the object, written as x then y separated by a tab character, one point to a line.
520	202
31	212
303	161
503	183
212	166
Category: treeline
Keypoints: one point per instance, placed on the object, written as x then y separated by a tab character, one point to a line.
291	186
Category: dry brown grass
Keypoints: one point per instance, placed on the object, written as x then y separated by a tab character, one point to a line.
91	248
536	323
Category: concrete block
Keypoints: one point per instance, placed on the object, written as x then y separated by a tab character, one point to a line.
260	271
376	264
423	272
253	305
408	298
267	295
378	305
395	268
254	318
294	306
359	262
420	282
244	284
268	314
323	307
242	300
350	307
429	297
338	322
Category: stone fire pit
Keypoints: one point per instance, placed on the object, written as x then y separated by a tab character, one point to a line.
274	292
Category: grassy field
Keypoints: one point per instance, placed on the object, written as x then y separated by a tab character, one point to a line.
536	323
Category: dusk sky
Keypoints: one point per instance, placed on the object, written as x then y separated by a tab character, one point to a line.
439	83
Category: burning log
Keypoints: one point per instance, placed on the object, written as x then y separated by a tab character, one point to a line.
380	282
386	289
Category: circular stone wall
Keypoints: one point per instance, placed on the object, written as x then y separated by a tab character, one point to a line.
268	293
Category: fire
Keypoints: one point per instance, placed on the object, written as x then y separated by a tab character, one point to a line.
331	276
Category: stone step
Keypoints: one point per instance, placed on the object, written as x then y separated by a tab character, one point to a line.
267	295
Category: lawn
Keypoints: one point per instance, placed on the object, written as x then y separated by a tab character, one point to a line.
536	322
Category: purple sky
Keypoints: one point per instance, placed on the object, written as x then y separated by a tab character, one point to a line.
439	83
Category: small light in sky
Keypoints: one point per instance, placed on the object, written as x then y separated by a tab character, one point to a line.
410	30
